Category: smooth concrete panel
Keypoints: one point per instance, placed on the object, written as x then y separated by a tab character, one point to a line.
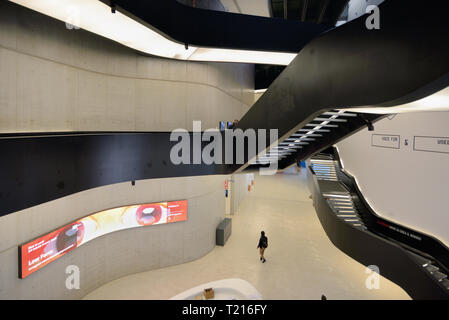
46	96
116	254
196	72
8	94
36	36
120	103
56	79
172	105
150	68
175	70
92	104
119	60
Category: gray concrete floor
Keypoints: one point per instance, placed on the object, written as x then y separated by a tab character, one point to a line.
301	261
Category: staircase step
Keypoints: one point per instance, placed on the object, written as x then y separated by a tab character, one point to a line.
336	203
432	268
321	125
340	114
330	119
439	275
342	206
313	130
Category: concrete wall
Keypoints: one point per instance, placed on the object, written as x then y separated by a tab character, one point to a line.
239	189
55	79
116	254
406	186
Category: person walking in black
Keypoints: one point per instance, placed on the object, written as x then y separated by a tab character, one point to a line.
263	244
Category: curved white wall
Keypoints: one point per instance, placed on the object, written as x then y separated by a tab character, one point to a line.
116	254
55	79
406	186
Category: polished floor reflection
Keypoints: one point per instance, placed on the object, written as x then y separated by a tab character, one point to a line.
301	261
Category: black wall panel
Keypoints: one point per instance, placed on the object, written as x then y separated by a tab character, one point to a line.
43	167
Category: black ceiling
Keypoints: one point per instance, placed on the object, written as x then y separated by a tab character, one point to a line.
314	11
324	12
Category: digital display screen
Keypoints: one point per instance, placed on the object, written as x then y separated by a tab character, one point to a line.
39	252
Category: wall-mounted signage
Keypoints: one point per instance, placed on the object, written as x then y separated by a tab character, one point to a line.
404	232
386	141
431	144
39	252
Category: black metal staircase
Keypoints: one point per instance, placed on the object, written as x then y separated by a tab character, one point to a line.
340	194
322	131
325	168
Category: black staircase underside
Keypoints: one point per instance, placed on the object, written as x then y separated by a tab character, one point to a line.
216	29
352	66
